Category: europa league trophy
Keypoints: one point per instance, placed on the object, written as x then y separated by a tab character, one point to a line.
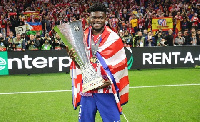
72	32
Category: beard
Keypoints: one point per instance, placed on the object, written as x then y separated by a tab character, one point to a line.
98	29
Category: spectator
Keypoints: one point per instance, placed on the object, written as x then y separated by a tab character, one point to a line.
72	18
3	43
3	26
127	39
195	21
121	34
113	22
194	40
198	34
150	40
60	21
123	27
159	38
14	23
47	25
38	41
145	33
138	40
169	39
46	45
125	15
24	38
185	24
139	14
84	22
18	43
119	12
141	23
33	44
186	37
134	23
52	34
130	29
43	22
10	41
58	43
179	40
76	15
48	38
178	18
193	30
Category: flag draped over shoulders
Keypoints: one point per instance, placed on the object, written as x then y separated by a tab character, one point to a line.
113	59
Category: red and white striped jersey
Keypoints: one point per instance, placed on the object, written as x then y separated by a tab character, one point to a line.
120	13
114	22
141	22
178	17
194	21
130	30
112	51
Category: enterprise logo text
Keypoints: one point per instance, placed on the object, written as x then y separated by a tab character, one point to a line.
38	62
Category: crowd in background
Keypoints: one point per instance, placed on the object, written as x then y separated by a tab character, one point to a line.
131	19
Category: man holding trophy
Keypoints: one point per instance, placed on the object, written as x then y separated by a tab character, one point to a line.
99	68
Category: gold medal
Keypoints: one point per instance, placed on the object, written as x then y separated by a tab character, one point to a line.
93	59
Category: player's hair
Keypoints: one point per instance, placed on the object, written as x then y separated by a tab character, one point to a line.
97	7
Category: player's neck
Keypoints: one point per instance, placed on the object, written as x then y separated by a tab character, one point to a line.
97	32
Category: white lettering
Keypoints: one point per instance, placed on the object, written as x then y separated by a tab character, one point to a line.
188	58
165	58
147	57
156	56
19	63
40	64
176	56
26	59
51	61
61	62
160	58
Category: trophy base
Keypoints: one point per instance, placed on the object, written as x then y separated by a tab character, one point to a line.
92	84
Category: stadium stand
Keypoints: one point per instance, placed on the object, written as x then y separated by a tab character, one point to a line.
34	20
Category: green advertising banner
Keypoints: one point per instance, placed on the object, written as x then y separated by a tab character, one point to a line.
4	63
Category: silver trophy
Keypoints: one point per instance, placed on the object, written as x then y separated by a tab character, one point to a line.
72	32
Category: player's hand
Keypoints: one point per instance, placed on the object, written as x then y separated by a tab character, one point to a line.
72	55
106	83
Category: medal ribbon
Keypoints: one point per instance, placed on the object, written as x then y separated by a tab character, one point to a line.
89	38
92	45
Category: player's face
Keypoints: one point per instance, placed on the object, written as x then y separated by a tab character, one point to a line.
97	20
